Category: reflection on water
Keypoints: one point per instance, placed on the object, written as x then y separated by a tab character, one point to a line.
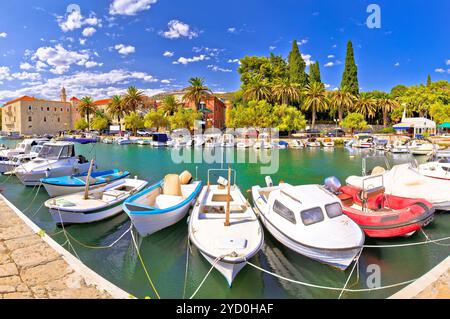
164	252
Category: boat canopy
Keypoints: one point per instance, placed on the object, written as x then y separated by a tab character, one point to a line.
445	125
160	137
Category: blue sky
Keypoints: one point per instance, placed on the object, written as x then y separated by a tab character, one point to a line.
158	45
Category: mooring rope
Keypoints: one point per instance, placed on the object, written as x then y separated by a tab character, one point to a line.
143	266
186	267
67	237
431	241
351	273
34	198
436	242
99	247
206	276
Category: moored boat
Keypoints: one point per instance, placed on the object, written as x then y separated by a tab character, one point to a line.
224	227
312	142
163	204
437	166
327	142
64	185
421	147
99	204
309	220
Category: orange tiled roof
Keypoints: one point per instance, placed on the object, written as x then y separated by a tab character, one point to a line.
23	98
102	102
74	98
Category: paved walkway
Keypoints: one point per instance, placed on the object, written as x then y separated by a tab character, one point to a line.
34	266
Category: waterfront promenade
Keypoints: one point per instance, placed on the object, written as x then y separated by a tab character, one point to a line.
32	265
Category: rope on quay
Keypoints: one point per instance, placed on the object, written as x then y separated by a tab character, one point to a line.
327	287
186	268
67	237
143	266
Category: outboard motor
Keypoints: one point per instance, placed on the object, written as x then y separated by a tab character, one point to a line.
333	184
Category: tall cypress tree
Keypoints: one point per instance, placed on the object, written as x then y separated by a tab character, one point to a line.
350	76
314	73
297	66
429	80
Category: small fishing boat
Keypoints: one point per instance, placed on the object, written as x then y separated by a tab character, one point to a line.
163	204
108	141
281	145
421	147
437	166
124	140
312	142
199	141
296	144
224	227
380	144
143	142
405	180
327	142
212	140
23	147
309	220
363	140
64	185
7	166
94	205
399	146
55	159
378	214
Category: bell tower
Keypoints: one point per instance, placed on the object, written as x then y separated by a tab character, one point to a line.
63	95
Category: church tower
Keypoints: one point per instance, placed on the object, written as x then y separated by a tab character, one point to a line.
63	95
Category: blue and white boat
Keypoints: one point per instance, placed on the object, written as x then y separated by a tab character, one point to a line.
64	185
163	204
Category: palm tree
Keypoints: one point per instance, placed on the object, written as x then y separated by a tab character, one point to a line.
387	105
366	105
196	91
132	100
257	89
342	100
316	99
86	107
285	91
170	105
116	108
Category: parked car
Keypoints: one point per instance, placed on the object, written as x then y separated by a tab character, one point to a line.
143	133
336	133
312	133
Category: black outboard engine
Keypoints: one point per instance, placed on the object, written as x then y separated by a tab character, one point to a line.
82	159
333	184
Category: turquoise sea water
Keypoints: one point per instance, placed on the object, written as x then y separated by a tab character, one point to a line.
164	253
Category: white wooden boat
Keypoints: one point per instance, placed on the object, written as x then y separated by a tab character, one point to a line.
312	142
212	140
421	147
227	246
438	165
327	142
101	203
163	204
296	144
309	220
54	160
199	141
124	140
405	180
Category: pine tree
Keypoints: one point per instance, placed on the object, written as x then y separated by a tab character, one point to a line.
314	73
297	66
429	80
350	76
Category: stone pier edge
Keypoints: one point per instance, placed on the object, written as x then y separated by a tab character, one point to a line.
90	276
414	289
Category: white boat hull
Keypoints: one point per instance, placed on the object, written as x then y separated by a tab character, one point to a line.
67	217
33	178
228	270
59	190
147	224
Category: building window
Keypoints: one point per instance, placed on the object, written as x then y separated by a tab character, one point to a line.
29	108
58	119
67	110
48	109
45	119
29	119
42	108
61	109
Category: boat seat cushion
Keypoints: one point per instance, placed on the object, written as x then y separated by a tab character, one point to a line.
185	178
172	185
166	201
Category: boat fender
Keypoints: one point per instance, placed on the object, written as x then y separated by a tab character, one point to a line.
269	182
332	183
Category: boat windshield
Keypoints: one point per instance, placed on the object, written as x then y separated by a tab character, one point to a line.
53	152
333	210
312	216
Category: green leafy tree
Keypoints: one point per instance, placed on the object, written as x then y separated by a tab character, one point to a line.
315	99
350	75
184	118
196	91
170	105
387	105
100	123
365	105
116	108
354	121
81	125
314	73
440	112
285	91
342	100
156	119
133	121
288	118
257	89
132	99
429	80
297	66
86	107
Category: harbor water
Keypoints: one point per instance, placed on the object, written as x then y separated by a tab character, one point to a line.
164	253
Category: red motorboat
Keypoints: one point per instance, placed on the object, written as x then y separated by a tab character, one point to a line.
382	215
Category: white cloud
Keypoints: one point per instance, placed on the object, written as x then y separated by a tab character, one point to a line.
216	68
307	58
329	64
25	66
129	7
26	76
60	58
331	56
82	41
168	54
3	34
447	62
271	48
232	30
4	73
40	66
75	20
178	29
302	41
92	64
184	61
397	64
165	81
439	70
125	49
234	61
89	31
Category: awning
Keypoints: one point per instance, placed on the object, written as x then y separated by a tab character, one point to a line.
205	110
445	125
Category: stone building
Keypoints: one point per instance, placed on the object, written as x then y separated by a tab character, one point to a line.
29	115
